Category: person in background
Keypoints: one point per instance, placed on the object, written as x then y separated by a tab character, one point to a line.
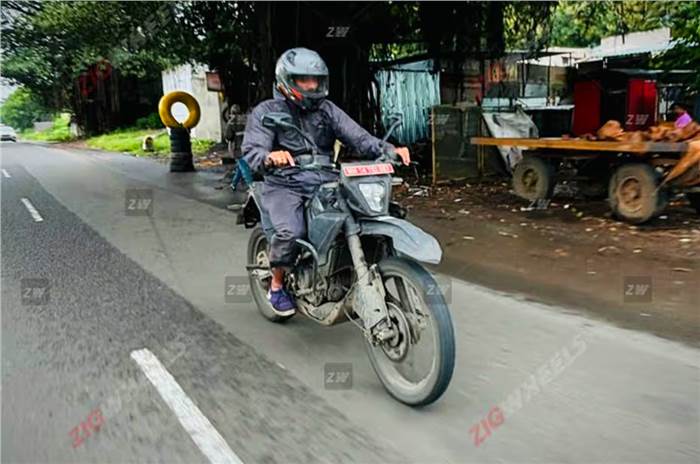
682	116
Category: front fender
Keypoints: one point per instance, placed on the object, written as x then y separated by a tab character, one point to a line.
407	239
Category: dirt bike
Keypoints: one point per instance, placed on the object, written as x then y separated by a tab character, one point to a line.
359	263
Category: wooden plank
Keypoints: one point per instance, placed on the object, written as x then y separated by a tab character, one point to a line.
580	144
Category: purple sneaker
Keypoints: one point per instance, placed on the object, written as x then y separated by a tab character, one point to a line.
282	302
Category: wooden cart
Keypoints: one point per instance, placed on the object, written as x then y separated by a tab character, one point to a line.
630	173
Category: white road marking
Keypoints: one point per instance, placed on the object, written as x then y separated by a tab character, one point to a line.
32	210
5	173
205	436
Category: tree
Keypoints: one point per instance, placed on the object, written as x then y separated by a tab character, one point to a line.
528	25
47	45
583	24
685	30
21	109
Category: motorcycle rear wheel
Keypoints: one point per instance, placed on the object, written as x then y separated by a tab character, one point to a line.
258	253
419	299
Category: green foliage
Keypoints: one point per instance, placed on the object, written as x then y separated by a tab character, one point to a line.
686	32
130	141
48	46
583	24
580	24
21	109
527	25
58	132
152	121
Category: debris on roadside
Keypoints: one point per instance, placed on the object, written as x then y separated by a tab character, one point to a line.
681	269
609	250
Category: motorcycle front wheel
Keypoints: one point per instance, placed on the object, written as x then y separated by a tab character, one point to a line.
416	364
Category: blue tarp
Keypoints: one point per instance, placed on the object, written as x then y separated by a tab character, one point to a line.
410	89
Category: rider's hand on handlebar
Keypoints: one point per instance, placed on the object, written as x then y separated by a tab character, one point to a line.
404	154
279	158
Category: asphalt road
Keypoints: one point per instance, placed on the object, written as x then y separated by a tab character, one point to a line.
89	283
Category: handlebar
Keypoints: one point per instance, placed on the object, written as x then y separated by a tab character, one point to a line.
303	167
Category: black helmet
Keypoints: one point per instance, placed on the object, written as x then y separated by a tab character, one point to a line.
300	62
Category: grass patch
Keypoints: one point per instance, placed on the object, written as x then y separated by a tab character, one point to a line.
127	140
59	132
130	141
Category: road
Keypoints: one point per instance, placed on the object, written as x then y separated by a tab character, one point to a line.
88	283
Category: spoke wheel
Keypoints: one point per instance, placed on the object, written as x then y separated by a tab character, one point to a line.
415	365
260	279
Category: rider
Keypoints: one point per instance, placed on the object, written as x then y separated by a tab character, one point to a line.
301	88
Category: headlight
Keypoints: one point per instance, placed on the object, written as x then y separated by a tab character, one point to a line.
374	194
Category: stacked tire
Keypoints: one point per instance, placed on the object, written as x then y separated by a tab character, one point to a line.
180	144
181	148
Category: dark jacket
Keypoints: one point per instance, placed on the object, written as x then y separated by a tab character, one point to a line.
324	125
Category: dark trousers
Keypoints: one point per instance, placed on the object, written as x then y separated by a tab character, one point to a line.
283	199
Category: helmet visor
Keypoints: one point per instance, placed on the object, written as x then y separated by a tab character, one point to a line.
311	86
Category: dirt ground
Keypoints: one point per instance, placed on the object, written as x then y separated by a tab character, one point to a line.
571	253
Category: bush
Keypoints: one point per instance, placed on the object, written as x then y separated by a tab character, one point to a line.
59	132
21	109
152	121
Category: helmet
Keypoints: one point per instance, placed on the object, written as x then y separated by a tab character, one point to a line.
298	62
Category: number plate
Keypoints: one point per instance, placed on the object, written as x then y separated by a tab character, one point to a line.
367	169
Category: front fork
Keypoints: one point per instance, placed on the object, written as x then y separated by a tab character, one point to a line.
368	300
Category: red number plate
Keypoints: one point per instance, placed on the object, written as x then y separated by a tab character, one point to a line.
367	169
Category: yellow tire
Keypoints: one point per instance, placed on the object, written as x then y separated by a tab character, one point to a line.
166	103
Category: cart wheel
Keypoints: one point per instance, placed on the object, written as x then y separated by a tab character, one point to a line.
694	199
633	193
533	178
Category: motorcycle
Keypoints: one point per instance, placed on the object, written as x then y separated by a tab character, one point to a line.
360	263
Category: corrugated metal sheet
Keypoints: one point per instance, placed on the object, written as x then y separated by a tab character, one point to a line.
651	49
410	89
